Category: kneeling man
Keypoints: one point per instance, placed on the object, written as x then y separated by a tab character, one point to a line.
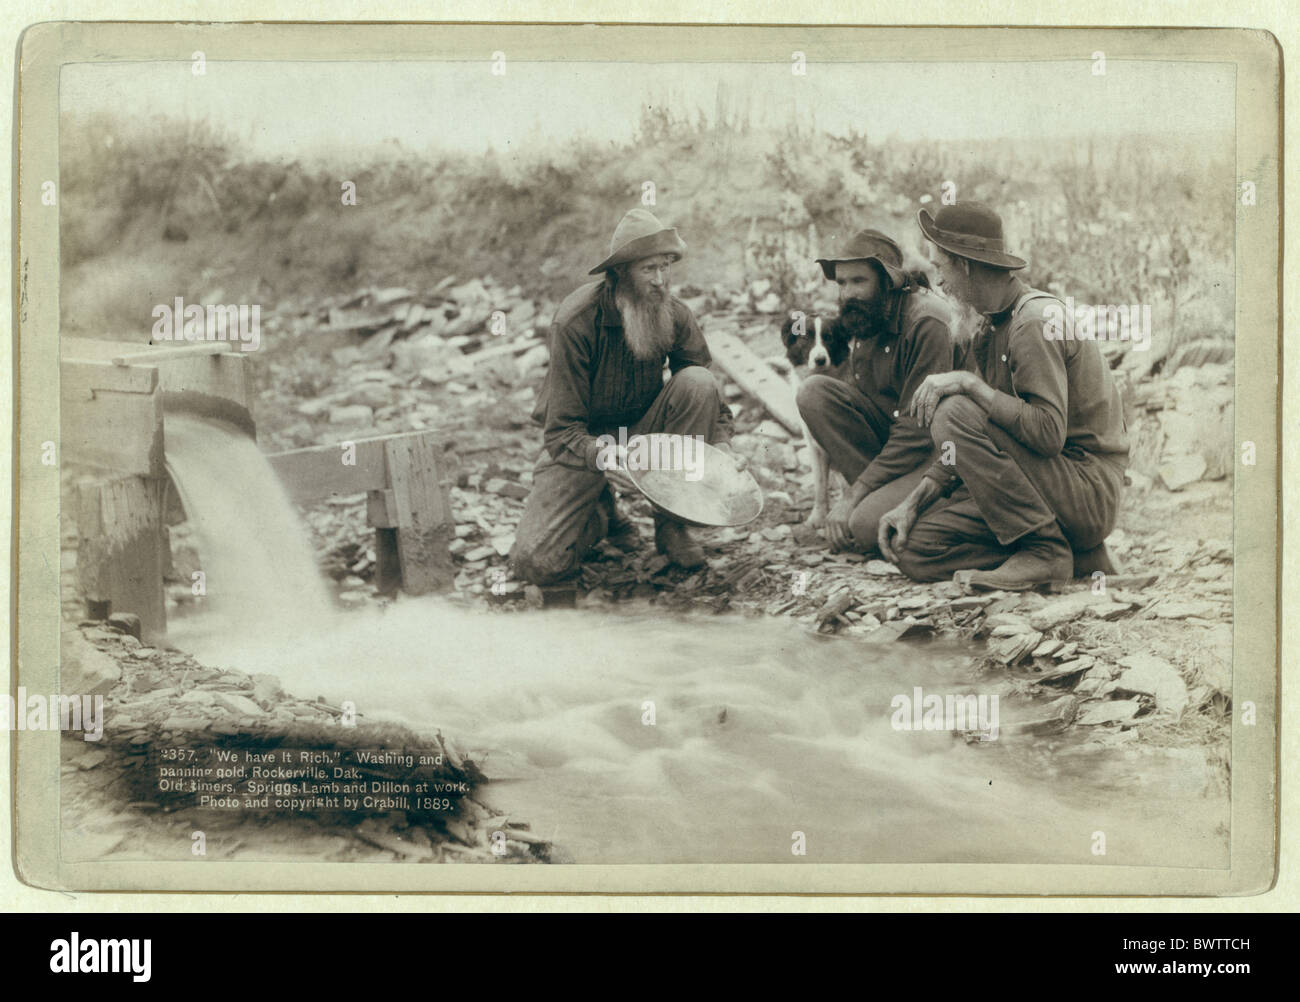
898	335
608	345
1030	434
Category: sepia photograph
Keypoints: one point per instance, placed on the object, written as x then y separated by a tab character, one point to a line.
643	451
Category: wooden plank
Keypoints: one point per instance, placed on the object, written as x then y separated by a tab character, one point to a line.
90	349
151	355
318	472
119	432
509	348
381	509
755	377
137	350
121	549
79	380
424	526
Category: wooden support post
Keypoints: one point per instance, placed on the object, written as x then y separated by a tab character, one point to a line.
405	503
381	512
121	550
388	565
424	526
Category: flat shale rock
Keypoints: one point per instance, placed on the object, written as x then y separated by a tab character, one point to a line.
898	629
1180	471
1184	609
1011	650
1047	648
1152	676
1109	712
83	669
999	620
1066	668
1071	607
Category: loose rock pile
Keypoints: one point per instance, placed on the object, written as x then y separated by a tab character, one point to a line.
159	701
1117	665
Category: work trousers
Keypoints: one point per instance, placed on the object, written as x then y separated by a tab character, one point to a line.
567	512
851	429
1007	491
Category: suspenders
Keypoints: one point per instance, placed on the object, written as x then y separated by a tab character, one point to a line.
1026	297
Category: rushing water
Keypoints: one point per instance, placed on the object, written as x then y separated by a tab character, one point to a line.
759	729
258	566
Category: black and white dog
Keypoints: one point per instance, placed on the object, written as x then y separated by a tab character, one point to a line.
816	345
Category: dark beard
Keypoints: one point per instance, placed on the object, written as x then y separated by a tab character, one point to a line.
647	324
862	318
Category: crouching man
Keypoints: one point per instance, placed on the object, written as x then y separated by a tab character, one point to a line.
898	335
1030	434
608	345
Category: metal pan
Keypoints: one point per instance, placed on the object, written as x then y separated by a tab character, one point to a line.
704	490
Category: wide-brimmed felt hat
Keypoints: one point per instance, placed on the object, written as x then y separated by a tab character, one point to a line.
639	234
869	245
970	230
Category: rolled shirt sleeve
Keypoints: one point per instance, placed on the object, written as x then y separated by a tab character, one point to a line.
945	474
1036	414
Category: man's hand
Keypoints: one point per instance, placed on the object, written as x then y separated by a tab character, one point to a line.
837	524
926	399
895	526
617	475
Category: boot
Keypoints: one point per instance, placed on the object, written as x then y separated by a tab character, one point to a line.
1042	557
622	532
1096	559
672	540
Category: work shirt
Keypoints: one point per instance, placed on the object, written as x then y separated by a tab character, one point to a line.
595	384
1053	396
888	369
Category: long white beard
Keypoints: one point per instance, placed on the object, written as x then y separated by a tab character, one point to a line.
647	325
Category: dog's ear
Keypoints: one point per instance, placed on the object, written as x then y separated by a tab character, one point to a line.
836	338
788	336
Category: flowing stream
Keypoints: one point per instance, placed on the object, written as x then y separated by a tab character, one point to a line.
631	736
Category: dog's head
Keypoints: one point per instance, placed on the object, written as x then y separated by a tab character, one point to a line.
814	342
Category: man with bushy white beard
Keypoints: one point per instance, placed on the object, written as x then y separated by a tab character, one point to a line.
609	343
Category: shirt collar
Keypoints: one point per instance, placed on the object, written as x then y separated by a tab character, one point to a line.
1015	289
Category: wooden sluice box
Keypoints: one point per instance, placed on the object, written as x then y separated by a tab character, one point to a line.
114	399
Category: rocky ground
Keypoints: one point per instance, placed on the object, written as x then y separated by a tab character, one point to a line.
165	711
1143	657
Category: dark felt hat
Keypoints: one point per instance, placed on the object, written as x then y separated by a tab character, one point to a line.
639	234
869	245
970	230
